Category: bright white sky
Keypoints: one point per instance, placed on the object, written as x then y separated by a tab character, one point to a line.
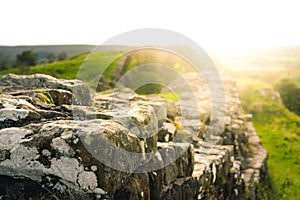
214	25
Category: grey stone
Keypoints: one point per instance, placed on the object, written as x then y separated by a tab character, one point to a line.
110	149
167	132
10	137
36	81
87	181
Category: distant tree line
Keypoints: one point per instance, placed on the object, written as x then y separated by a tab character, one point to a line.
51	57
28	58
4	62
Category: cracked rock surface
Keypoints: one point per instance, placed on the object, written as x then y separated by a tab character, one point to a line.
55	138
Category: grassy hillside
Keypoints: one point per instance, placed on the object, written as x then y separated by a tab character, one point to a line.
278	128
65	69
10	52
68	69
257	73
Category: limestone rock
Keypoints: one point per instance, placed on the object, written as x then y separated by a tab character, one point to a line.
137	187
167	132
87	180
12	82
125	146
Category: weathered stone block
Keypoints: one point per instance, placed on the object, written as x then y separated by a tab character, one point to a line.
11	82
167	132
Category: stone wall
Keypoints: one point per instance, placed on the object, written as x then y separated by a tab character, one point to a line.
57	141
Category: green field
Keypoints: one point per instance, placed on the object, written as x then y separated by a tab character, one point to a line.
64	69
83	66
278	128
8	54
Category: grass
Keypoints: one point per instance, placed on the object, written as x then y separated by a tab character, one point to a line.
47	97
88	67
170	95
64	69
279	130
85	66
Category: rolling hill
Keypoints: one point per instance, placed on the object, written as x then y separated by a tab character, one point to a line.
9	53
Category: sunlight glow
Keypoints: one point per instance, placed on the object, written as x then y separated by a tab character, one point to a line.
214	25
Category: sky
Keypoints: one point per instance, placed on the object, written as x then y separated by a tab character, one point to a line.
214	25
